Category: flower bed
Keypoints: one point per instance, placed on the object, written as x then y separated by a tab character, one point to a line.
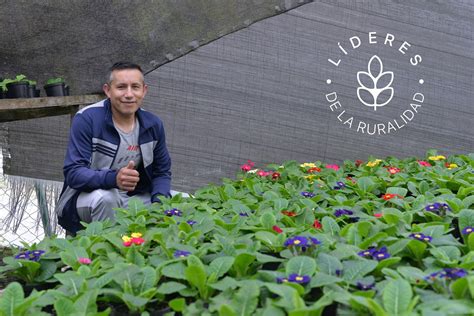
382	237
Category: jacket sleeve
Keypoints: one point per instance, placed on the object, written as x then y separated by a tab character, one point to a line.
161	172
77	172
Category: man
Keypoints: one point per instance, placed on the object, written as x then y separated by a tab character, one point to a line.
116	150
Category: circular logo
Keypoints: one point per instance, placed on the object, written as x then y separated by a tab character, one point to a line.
370	85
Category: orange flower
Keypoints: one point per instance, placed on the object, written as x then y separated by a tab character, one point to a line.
393	170
289	213
313	170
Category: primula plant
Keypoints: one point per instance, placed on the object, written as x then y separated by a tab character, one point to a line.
381	237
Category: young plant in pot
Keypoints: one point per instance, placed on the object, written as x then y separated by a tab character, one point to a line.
32	91
56	87
17	88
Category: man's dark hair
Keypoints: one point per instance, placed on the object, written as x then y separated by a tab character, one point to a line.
121	65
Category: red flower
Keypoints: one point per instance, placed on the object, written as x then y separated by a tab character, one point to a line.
354	181
127	243
378	215
389	196
288	213
137	241
277	229
358	162
393	170
317	224
275	175
313	170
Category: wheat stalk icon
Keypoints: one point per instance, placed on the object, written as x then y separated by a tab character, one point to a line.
375	85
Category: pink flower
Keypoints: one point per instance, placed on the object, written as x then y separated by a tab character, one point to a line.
378	215
277	229
84	260
263	173
334	167
424	163
137	241
393	170
248	166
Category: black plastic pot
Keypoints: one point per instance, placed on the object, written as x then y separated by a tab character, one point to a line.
55	89
32	91
17	90
2	94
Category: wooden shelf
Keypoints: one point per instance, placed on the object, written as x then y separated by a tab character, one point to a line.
23	109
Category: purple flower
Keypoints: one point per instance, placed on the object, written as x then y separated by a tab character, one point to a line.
296	278
281	280
368	252
381	254
243	214
338	272
445	207
191	222
341	212
365	287
467	230
314	241
307	194
421	237
433	207
298	241
181	253
173	212
339	185
32	255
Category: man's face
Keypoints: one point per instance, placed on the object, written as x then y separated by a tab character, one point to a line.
125	91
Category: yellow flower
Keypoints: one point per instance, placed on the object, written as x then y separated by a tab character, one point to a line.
435	158
374	163
452	166
307	164
126	238
136	235
310	178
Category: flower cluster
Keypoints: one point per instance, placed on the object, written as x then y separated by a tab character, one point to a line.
341	212
447	273
374	163
301	242
332	166
307	194
424	163
450	165
467	230
181	253
421	237
294	278
174	212
379	255
135	238
32	255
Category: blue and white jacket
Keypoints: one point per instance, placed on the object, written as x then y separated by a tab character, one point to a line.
93	145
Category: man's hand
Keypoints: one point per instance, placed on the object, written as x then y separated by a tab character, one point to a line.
128	177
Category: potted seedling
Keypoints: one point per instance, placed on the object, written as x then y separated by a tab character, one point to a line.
32	91
17	88
56	87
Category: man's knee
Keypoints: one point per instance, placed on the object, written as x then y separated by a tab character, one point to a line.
105	202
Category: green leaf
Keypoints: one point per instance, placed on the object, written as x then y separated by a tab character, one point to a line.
64	307
242	263
459	288
174	271
321	279
397	190
135	257
466	218
177	304
196	276
267	238
396	296
226	310
94	228
246	299
417	248
224	284
328	264
170	287
268	220
11	298
470	241
356	269
221	265
301	265
366	184
330	226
